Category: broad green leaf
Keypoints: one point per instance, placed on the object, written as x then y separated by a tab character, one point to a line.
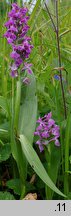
14	184
28	111
36	164
6	196
55	162
20	159
5	152
52	163
27	122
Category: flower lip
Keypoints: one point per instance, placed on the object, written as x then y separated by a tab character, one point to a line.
13	67
15	6
14	55
26	80
14	73
27	67
57	143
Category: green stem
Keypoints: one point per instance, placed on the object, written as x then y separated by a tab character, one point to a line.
56	29
12	125
48	168
16	150
12	111
59	122
17	105
22	192
12	102
59	60
4	76
12	117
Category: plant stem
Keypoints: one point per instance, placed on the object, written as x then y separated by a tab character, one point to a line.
4	76
48	168
12	124
56	29
50	17
12	109
22	192
17	105
59	58
13	97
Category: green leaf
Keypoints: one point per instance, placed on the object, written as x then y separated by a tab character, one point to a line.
14	184
6	196
5	152
52	163
28	111
20	160
36	164
55	162
27	123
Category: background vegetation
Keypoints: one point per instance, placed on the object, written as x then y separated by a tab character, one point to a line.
44	58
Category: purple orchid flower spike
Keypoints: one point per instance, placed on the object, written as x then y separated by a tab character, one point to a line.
16	36
47	131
